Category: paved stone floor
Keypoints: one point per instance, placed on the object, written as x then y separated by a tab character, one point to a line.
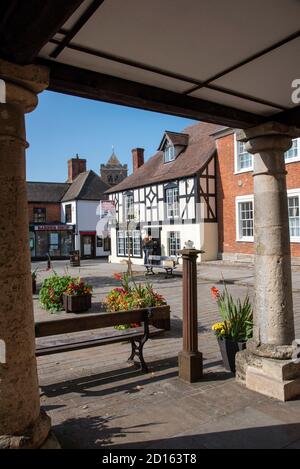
96	401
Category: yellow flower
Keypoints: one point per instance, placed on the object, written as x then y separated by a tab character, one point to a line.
218	326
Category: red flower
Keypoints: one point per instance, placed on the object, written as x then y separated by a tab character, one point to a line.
135	324
118	276
215	293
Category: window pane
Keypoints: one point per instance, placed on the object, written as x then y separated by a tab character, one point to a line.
68	213
293	151
173	243
136	243
169	153
121	243
65	243
39	215
246	219
172	200
129	207
294	216
244	158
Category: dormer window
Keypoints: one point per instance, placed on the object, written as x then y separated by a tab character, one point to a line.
169	153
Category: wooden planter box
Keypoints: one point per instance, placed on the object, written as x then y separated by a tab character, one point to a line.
164	322
160	319
77	303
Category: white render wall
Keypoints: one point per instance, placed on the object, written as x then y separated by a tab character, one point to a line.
203	235
85	215
150	212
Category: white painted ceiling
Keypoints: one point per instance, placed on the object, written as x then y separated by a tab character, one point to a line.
196	39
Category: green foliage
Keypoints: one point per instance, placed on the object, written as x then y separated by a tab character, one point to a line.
132	296
237	317
51	292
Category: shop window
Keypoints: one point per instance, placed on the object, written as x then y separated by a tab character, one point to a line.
39	215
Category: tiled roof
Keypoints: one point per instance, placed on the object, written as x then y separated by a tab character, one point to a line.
86	186
50	192
201	147
177	138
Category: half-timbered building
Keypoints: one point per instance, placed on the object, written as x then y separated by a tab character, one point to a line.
171	197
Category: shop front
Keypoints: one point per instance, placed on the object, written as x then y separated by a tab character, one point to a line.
55	240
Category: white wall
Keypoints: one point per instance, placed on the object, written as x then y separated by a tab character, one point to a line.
85	218
203	235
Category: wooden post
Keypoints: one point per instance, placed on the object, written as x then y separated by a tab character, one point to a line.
190	359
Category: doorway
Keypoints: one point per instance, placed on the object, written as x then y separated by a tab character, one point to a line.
155	234
88	242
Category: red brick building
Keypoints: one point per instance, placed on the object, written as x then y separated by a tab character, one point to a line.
235	203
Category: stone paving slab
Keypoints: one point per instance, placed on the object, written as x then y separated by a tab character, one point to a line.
96	400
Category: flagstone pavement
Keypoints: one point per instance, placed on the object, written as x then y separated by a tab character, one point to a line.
96	400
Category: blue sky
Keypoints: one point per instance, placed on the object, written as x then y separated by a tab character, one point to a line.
62	126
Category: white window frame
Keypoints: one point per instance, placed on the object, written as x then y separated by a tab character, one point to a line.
120	235
129	206
294	193
134	239
238	201
295	158
169	153
237	169
172	203
177	241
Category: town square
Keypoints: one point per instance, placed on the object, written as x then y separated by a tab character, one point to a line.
149	227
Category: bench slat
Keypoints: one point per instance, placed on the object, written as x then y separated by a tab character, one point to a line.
97	321
121	336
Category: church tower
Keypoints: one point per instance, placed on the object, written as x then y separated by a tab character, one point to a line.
113	172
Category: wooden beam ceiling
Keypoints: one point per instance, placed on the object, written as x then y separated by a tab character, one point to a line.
26	26
92	85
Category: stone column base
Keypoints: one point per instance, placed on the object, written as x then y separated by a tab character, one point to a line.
51	442
279	379
33	437
190	366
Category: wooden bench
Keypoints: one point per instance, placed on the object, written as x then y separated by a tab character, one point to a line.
150	319
161	262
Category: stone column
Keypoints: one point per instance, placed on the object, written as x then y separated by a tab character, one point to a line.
273	305
22	424
190	359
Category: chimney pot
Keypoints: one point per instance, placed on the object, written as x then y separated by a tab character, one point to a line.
137	158
75	166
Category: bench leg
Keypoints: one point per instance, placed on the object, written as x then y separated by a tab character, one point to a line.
169	273
149	271
137	351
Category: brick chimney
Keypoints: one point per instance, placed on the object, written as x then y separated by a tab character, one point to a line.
137	158
75	166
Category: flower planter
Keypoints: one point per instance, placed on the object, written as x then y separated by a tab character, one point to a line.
159	323
33	286
77	303
228	349
162	323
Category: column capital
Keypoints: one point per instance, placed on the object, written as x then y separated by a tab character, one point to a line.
271	137
267	129
23	83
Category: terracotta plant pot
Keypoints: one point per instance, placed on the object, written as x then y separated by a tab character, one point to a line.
77	303
229	349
